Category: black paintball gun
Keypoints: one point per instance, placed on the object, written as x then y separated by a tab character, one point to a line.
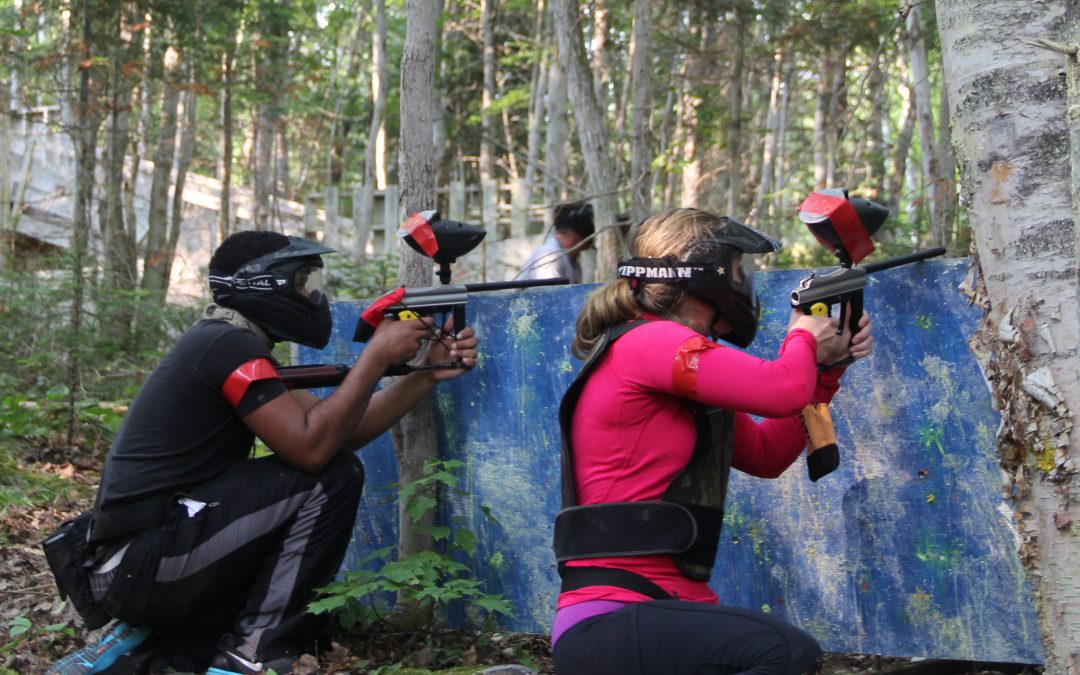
444	241
845	227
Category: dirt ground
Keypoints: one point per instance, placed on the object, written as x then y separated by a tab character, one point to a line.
39	628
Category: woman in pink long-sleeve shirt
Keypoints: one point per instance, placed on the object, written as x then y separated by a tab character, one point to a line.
633	428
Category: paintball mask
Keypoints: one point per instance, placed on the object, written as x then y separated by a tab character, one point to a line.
281	291
716	271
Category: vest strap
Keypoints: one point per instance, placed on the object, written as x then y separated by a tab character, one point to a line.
574	578
623	529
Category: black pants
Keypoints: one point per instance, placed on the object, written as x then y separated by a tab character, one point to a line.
248	561
671	637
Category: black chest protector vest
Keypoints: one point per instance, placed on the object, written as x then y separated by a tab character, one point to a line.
684	522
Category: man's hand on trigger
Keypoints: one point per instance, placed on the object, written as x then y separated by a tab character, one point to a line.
450	350
395	342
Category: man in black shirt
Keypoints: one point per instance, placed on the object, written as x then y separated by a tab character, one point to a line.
191	534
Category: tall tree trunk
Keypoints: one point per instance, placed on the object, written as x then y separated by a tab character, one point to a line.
270	77
7	238
489	200
183	163
225	158
155	261
88	118
764	202
901	148
556	140
735	128
120	254
641	151
376	140
691	102
537	93
414	436
875	139
592	136
780	198
1010	129
924	115
599	53
945	188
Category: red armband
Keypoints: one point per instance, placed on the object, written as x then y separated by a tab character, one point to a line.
684	369
237	383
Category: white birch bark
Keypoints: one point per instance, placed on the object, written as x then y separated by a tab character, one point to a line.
1007	103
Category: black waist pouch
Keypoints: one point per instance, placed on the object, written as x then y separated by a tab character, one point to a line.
67	551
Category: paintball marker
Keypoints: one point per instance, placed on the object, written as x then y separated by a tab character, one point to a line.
844	226
443	241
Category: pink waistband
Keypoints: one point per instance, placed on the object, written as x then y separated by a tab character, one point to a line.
568	617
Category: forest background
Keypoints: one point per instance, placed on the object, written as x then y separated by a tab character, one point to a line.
736	106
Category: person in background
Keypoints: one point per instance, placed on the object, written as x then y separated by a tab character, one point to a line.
207	555
557	256
651	426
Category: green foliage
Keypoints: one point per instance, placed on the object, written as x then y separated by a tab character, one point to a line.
62	388
20	629
435	577
346	280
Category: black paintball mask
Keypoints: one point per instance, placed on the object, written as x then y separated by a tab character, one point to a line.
281	291
717	271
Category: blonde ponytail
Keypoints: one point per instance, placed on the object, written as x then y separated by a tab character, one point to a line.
667	234
607	306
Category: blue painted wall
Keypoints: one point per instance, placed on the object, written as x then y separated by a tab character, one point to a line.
906	550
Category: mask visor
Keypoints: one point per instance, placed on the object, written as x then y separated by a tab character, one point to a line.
307	280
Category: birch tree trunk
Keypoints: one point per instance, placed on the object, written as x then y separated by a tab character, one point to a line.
592	135
640	134
1008	115
414	436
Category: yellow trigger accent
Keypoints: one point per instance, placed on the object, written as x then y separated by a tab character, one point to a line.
819	309
407	315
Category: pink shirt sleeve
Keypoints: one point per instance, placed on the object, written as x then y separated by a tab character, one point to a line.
724	377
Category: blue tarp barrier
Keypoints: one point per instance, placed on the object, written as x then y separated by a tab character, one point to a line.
906	550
